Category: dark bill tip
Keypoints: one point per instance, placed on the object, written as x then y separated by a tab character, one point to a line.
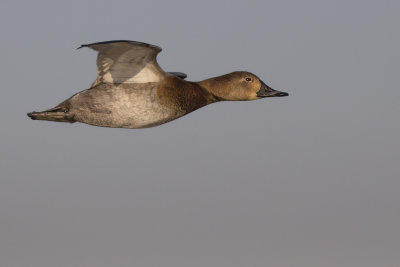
266	91
281	94
271	93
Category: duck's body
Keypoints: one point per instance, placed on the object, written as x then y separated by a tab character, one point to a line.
131	91
136	105
122	106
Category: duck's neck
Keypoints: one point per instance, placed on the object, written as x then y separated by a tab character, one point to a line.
217	87
187	96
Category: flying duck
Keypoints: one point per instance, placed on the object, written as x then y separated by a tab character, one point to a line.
132	91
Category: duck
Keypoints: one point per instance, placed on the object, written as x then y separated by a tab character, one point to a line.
132	91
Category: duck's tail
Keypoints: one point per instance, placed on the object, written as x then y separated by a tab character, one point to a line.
59	114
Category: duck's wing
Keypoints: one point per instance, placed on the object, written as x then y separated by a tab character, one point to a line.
126	62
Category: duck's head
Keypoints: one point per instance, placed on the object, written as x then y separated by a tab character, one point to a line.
239	85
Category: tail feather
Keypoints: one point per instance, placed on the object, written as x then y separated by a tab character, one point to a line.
55	114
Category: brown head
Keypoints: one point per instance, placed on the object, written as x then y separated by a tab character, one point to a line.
239	86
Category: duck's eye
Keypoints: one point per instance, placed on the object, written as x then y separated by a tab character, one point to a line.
248	79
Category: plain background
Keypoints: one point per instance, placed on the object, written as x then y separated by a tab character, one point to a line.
308	180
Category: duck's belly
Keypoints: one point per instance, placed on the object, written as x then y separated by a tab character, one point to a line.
123	106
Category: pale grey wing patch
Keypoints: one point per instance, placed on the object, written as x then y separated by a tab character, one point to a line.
178	74
126	62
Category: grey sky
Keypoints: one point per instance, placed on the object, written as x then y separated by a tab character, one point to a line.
307	180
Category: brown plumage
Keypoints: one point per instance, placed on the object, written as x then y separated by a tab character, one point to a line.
132	91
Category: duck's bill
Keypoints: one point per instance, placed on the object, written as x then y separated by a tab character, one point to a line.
266	91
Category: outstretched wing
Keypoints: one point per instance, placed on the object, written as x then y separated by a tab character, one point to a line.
126	62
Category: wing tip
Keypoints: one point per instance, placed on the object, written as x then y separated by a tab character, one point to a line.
178	74
122	41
